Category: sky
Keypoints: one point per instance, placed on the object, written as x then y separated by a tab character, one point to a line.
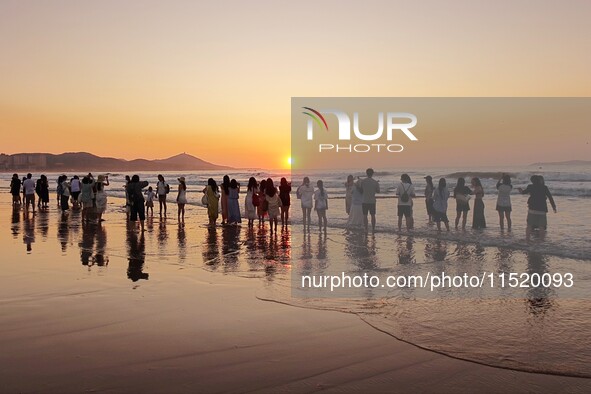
215	79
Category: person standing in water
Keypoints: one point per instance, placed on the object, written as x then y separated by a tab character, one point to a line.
462	196
405	193
251	197
504	188
86	197
261	211
136	195
305	194
321	205
355	219
64	192
273	204
150	195
478	219
75	188
349	187
212	194
537	206
127	199
429	197
234	216
284	195
224	199
24	197
101	196
440	197
43	192
370	188
181	199
15	190
162	189
29	192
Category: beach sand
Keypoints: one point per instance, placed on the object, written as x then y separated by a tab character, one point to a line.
80	313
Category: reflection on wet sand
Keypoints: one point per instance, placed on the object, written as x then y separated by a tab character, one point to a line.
43	222
63	232
86	245
435	249
210	249
162	234
15	222
406	254
28	230
100	257
361	250
136	255
93	246
539	299
229	247
181	237
447	320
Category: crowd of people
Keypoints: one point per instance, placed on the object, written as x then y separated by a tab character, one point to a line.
361	201
263	199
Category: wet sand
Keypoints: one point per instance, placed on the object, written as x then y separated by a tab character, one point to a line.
107	310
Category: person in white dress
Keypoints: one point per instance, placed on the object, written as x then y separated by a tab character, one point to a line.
305	194
321	205
504	188
181	199
249	207
356	211
101	196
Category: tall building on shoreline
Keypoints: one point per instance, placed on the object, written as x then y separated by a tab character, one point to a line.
23	161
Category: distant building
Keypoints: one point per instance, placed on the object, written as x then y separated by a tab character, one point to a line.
4	161
23	161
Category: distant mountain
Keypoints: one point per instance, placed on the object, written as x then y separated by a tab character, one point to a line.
83	161
564	163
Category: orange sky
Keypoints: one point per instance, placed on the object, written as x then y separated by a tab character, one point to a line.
214	79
